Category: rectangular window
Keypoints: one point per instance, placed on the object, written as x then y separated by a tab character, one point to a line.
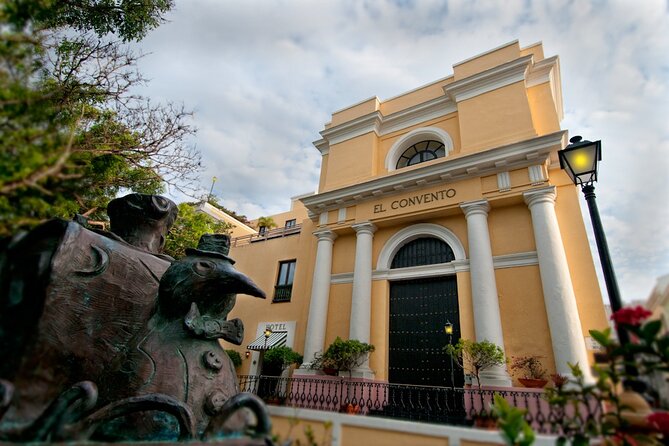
290	223
284	281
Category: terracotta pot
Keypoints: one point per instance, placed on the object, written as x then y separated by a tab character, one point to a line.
350	409
533	383
329	371
485	423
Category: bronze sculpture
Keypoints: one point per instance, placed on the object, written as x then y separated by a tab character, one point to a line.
100	330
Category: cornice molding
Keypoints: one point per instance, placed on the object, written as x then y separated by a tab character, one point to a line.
383	125
488	80
512	156
514	260
548	70
359	126
521	69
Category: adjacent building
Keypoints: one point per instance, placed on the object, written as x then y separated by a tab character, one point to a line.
444	204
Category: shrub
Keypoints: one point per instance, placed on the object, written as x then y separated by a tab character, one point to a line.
235	357
343	355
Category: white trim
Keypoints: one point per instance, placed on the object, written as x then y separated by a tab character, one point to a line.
341	215
323	218
489	80
503	181
536	174
413	232
469	59
219	215
323	146
548	70
512	156
455	434
416	136
514	260
417	114
521	69
383	125
348	107
370	122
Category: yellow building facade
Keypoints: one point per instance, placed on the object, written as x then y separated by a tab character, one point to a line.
445	204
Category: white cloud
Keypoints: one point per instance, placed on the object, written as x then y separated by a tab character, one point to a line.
264	77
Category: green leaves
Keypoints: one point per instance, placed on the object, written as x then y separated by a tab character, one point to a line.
476	356
282	356
189	227
511	421
72	135
343	355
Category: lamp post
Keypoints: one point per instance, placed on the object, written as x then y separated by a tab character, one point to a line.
268	333
579	159
448	329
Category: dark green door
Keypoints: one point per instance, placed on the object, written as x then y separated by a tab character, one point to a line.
419	309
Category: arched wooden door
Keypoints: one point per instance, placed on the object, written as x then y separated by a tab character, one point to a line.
419	310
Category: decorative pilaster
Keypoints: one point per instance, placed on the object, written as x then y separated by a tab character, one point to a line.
559	298
361	301
320	295
487	320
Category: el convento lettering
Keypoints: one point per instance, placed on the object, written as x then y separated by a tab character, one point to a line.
416	200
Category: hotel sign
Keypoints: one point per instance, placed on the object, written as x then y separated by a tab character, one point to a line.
415	200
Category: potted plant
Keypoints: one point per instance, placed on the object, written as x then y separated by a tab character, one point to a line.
530	371
275	361
475	357
342	356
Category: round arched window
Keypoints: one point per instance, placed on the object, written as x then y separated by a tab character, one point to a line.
423	251
421	152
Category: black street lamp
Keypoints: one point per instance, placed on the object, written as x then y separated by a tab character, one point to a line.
448	329
268	333
579	159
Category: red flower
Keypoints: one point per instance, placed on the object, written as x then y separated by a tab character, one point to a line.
630	316
659	421
623	439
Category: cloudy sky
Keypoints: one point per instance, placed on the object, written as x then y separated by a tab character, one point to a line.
264	76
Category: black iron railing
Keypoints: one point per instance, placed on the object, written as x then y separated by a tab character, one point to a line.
265	235
282	293
445	405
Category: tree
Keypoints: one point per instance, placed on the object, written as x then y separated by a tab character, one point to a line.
72	132
476	356
189	226
265	222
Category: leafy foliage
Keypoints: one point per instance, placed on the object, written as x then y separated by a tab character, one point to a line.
528	366
511	421
235	357
476	356
72	134
616	381
343	355
278	358
189	227
266	222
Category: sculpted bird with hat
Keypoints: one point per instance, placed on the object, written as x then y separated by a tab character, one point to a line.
178	353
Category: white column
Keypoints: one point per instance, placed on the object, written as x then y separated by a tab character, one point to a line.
487	320
559	298
320	295
361	300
